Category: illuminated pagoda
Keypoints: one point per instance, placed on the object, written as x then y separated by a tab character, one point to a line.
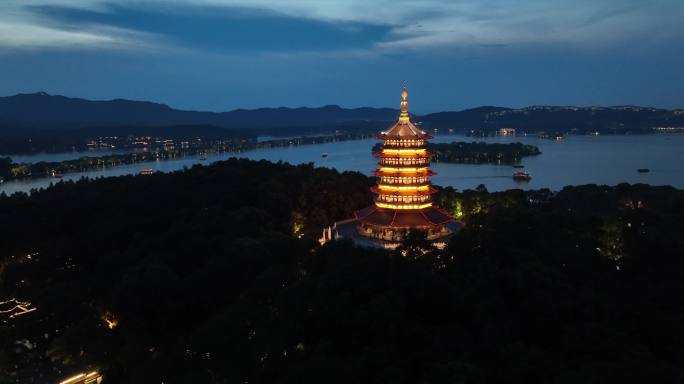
403	199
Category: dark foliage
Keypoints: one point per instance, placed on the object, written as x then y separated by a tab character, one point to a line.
478	152
5	168
208	283
481	152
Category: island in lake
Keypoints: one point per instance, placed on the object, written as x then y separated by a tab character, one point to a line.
455	152
481	152
460	152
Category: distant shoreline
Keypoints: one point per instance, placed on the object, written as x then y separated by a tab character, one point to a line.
345	137
70	123
43	169
14	171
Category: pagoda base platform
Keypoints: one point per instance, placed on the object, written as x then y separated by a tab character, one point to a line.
352	229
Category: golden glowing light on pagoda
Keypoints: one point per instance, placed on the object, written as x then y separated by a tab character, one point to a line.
403	192
395	188
404	156
403	206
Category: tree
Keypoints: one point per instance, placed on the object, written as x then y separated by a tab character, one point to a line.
5	167
415	244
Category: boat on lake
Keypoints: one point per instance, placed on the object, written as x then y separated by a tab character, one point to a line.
324	155
147	171
553	136
203	158
57	175
643	170
521	176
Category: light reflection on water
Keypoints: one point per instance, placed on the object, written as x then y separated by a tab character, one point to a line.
576	160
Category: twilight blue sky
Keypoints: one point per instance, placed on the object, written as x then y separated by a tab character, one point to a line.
455	54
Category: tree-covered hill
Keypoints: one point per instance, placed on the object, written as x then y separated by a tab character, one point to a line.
40	116
212	275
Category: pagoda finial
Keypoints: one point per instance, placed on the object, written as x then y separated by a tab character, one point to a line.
404	115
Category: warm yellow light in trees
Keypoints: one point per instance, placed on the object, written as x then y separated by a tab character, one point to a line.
111	320
458	209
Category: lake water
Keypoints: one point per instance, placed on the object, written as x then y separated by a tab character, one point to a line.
576	160
61	156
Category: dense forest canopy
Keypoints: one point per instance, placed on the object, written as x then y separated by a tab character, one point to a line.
481	152
213	275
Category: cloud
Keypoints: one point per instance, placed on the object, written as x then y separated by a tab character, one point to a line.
435	23
412	25
22	36
21	29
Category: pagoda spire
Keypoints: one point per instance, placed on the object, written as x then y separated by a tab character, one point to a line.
404	115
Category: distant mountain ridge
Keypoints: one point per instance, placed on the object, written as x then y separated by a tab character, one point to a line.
46	112
40	110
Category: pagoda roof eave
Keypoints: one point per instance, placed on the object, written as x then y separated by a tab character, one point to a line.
427	217
404	130
428	172
424	155
388	136
391	184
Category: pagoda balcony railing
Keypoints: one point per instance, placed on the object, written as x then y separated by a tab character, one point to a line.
403	171
403	154
413	185
404	191
392	161
422	185
398	199
403	206
404	180
389	144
